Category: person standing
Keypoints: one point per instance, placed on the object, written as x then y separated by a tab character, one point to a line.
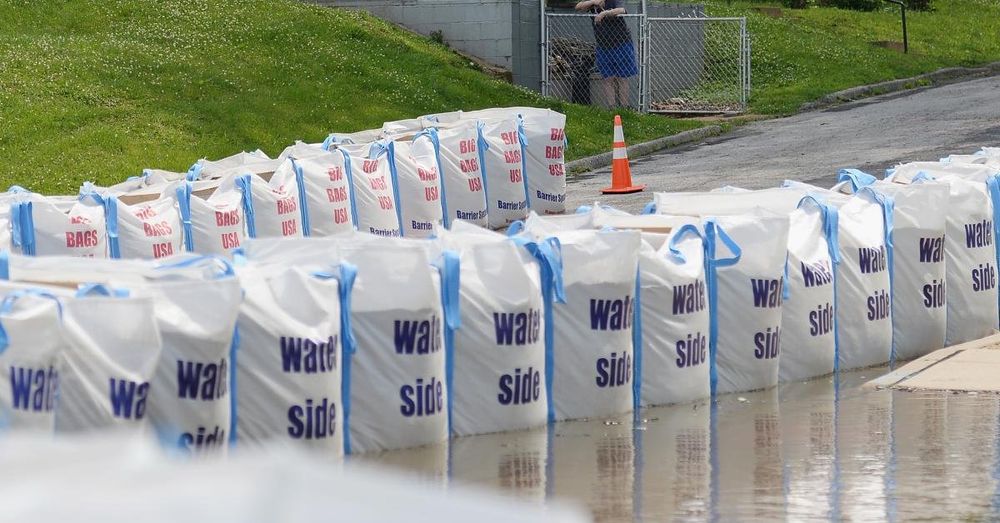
614	53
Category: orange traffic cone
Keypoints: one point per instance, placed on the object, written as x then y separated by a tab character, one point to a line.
621	174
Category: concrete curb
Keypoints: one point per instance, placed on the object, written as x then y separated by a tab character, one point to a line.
591	163
939	77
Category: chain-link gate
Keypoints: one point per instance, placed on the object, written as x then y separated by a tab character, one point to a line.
663	65
697	65
594	63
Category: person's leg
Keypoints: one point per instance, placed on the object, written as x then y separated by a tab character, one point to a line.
622	92
610	87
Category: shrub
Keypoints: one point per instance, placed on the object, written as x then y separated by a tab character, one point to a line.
856	5
796	4
919	5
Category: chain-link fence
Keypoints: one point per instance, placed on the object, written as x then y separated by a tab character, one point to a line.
697	65
666	65
594	61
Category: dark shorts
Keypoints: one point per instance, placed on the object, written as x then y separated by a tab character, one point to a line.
617	61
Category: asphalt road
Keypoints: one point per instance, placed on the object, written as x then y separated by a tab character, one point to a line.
871	135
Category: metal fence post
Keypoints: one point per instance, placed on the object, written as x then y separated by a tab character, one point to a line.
544	48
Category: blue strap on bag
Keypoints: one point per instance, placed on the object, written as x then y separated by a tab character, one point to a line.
300	180
831	230
183	194
110	205
481	147
432	134
449	267
548	252
350	185
857	178
713	233
522	138
243	183
345	274
888	205
993	188
23	227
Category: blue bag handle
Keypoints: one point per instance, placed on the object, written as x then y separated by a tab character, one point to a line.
649	208
857	178
99	289
194	172
345	274
516	227
110	205
685	230
225	268
714	232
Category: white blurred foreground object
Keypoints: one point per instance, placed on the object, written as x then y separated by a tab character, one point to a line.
111	478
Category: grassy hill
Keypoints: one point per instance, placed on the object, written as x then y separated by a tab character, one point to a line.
99	89
807	53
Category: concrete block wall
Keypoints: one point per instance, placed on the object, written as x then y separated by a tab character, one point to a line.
482	28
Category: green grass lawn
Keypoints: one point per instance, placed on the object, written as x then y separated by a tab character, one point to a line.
98	90
811	52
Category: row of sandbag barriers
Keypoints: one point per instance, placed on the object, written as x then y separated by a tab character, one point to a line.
355	342
487	167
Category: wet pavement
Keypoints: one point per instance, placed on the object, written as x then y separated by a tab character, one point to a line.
819	450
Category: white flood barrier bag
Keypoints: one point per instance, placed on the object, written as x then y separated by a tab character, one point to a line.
271	207
417	181
400	311
807	336
919	306
502	160
746	254
500	381
31	349
675	317
863	278
970	259
544	134
145	230
191	402
594	357
462	174
41	226
970	248
373	193
195	303
214	223
291	359
325	190
113	347
673	305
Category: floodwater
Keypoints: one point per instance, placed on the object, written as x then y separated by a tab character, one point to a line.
817	450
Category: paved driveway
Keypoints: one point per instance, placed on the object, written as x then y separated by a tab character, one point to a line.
871	135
